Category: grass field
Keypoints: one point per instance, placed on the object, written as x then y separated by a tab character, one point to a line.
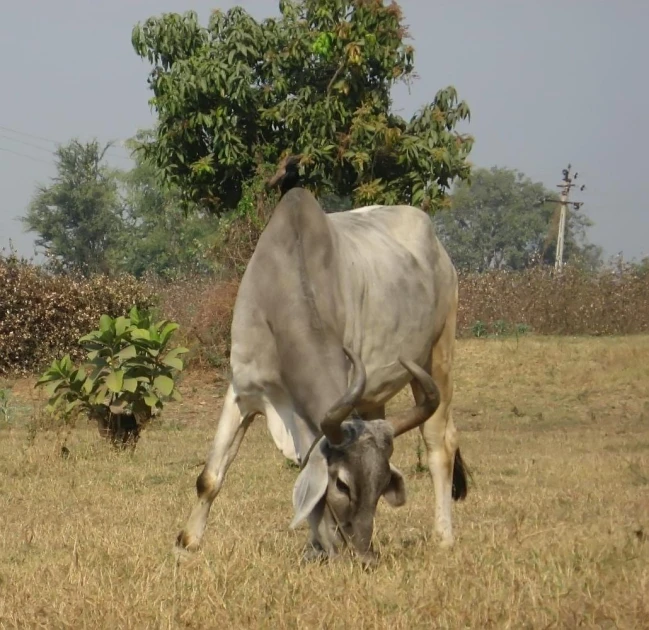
554	533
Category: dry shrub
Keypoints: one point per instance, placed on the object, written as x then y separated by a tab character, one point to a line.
42	315
237	240
203	308
573	302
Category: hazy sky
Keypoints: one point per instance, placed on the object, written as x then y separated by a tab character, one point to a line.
548	83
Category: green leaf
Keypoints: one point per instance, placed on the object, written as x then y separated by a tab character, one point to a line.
130	385
88	385
100	395
92	336
163	384
173	362
129	352
115	380
121	323
71	405
134	315
167	330
154	335
47	377
105	323
53	386
151	400
140	333
174	352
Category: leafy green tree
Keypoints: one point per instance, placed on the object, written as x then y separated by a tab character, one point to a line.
158	237
239	93
503	220
77	217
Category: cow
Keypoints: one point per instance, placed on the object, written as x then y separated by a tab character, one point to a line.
370	291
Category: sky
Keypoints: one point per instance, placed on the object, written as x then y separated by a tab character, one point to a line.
548	82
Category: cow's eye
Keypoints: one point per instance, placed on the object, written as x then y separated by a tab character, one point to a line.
341	486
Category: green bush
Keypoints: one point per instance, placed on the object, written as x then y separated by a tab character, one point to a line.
479	329
500	327
5	406
129	370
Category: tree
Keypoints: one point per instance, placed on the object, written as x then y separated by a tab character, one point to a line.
77	217
316	81
503	220
158	238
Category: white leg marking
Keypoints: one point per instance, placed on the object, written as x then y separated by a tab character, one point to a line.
231	428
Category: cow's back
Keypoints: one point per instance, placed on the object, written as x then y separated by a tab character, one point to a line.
398	287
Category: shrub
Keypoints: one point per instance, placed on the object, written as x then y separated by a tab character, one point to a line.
5	406
203	307
573	302
501	328
43	315
501	303
521	329
127	374
479	329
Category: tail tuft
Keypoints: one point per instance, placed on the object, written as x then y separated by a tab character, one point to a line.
461	473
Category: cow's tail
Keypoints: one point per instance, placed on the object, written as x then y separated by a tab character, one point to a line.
461	475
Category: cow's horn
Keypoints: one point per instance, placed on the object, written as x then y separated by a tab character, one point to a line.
408	420
340	410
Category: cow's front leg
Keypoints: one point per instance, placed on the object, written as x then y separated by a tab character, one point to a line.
231	428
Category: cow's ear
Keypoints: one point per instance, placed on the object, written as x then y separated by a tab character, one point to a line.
310	487
395	492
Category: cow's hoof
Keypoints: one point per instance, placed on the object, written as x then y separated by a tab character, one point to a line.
186	543
446	541
313	554
369	561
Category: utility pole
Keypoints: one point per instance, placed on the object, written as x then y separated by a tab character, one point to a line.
565	187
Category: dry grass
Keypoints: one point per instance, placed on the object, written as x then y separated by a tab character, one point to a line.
554	535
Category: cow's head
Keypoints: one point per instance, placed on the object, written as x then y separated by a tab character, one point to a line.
349	470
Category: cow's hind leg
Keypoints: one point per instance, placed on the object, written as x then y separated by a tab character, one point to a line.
229	433
440	436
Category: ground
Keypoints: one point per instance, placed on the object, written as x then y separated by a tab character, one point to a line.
553	534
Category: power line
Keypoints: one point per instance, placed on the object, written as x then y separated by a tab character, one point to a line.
44	139
35	137
27	144
28	135
31	157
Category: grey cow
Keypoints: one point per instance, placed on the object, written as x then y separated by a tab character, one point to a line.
373	290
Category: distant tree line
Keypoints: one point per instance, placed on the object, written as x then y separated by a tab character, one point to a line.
97	219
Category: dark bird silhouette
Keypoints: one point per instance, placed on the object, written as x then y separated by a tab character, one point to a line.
287	175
